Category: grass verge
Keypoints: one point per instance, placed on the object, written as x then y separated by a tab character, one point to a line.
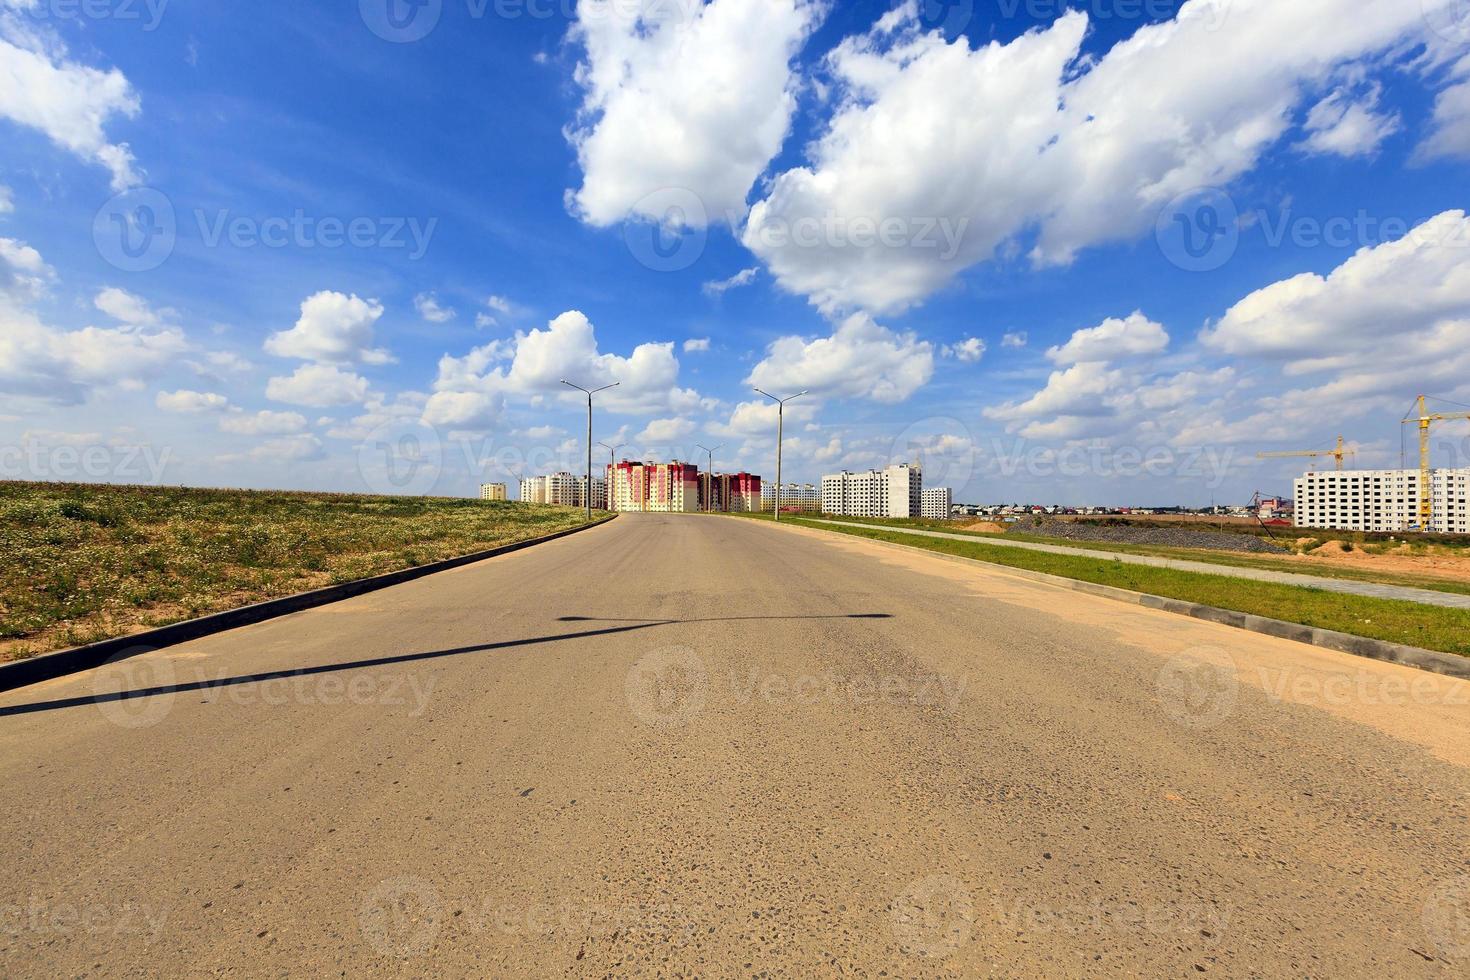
1214	557
1430	627
85	562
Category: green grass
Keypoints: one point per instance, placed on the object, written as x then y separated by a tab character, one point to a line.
87	562
1228	558
1430	627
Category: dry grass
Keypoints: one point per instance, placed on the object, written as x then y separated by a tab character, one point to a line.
85	562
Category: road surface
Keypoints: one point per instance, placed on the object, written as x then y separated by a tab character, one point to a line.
686	745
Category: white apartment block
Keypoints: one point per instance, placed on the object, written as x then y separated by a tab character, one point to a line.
803	497
493	491
937	504
563	490
894	491
1382	500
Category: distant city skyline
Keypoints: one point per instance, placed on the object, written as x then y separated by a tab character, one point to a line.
1085	286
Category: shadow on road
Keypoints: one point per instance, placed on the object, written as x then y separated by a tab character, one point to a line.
207	685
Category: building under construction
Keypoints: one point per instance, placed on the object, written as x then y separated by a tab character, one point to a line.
1383	500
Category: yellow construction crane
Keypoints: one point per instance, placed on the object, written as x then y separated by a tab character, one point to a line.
1425	420
1338	454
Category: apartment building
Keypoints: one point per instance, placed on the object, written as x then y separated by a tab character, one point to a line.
894	491
740	492
563	490
937	504
1382	500
803	497
493	491
653	487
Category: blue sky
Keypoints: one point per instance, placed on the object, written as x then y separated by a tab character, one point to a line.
386	230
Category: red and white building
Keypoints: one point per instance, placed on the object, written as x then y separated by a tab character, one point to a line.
662	488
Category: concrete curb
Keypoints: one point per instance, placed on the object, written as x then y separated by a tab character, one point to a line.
1448	664
51	665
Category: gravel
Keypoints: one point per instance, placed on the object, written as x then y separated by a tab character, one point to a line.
1180	537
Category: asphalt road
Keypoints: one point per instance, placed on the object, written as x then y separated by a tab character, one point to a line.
707	746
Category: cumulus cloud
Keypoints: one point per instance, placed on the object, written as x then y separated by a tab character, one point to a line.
7	200
127	307
52	364
333	328
470	391
301	448
682	94
695	345
191	402
428	307
665	431
861	359
1402	300
1040	143
1112	339
42	88
1016	339
970	350
263	423
318	386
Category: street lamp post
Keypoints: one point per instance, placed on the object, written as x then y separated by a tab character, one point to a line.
612	461
709	497
780	425
589	394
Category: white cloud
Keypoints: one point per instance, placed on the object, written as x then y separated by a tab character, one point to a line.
264	423
25	276
428	306
1016	339
71	103
7	200
682	94
1040	140
334	328
191	402
664	431
861	359
301	448
970	350
1112	339
50	364
719	287
318	386
126	307
696	345
1349	127
1450	133
1400	301
757	419
470	391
